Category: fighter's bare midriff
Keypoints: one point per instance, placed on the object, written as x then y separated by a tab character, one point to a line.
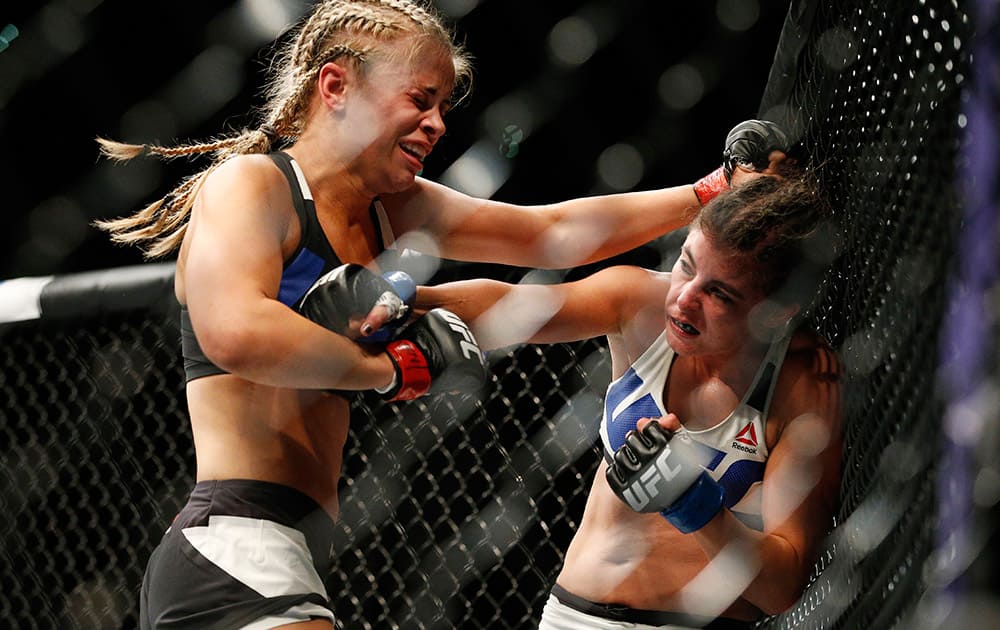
619	556
244	430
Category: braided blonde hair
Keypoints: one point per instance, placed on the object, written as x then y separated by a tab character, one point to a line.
352	31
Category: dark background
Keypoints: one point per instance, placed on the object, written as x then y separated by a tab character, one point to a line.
86	68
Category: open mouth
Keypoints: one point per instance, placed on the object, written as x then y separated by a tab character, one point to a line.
684	327
418	153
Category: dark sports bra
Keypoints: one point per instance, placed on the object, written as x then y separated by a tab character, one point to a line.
313	257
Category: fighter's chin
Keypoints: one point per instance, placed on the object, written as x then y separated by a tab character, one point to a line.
400	182
681	341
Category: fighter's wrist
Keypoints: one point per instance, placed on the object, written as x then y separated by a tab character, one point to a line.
391	385
697	506
412	377
709	186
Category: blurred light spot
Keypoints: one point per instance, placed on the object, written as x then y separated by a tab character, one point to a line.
620	166
965	421
797	475
517	316
722	580
825	248
569	246
34	259
681	86
31	471
119	370
511	142
513	110
811	435
11	76
267	18
206	84
7	35
125	185
901	461
837	48
57	226
94	594
737	15
455	9
862	351
869	524
479	172
61	29
572	41
83	7
791	118
543	276
148	121
913	274
762	320
420	255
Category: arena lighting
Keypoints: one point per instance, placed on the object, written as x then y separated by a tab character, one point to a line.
7	35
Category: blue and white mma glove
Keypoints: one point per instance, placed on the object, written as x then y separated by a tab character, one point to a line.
750	143
351	291
659	471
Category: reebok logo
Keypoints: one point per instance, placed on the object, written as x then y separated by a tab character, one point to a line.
746	439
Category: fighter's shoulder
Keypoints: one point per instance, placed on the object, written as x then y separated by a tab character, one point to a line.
811	379
629	284
809	397
809	353
252	171
633	276
252	181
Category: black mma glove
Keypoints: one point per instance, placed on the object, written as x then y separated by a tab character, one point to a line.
352	291
659	471
437	353
748	144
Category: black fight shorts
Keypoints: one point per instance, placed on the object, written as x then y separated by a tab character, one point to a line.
241	554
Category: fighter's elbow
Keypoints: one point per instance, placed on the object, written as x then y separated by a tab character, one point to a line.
784	582
780	603
233	349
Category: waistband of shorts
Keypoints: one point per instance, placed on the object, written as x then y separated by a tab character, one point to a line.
252	498
619	612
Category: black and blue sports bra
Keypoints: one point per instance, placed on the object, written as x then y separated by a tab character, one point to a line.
311	259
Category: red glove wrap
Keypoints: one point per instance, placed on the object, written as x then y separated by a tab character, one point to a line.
411	369
709	186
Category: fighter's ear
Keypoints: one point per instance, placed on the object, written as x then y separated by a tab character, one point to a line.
332	83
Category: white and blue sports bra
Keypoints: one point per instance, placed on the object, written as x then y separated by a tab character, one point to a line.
735	448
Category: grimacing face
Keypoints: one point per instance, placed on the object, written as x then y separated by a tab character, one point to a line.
396	116
712	295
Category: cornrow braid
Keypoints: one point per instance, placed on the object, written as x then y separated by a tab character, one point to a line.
159	227
411	10
335	29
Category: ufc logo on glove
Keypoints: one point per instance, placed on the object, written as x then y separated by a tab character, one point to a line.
640	492
644	476
468	344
